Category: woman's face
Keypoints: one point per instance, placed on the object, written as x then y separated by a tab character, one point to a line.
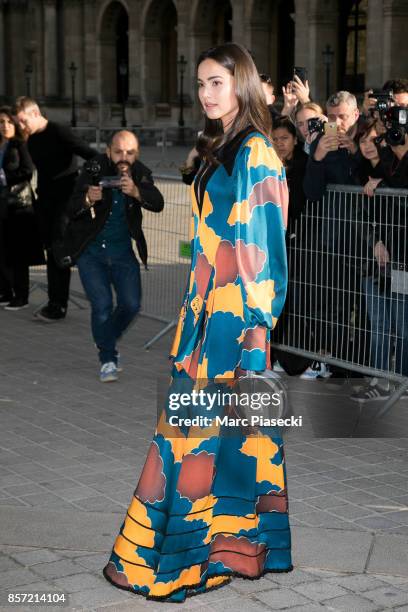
367	145
302	118
216	90
7	127
284	143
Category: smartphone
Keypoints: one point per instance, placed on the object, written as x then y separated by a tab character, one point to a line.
300	72
330	128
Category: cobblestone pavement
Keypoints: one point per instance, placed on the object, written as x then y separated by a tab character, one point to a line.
71	450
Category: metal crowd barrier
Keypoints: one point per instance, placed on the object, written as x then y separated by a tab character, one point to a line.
342	307
345	306
167	236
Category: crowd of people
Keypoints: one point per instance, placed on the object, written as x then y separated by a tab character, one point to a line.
256	173
340	144
50	213
345	145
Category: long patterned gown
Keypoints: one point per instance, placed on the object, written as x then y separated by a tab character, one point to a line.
207	506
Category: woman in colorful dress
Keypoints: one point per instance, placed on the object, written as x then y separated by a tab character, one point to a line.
209	506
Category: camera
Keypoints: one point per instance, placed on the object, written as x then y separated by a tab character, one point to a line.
93	169
315	125
385	99
110	182
396	123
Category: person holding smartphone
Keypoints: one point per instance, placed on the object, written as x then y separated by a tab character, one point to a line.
334	158
296	92
334	155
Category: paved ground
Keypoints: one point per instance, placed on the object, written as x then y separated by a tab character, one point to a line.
71	451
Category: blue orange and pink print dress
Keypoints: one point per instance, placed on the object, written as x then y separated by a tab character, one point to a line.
209	506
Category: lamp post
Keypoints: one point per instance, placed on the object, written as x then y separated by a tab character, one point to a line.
72	68
328	55
182	63
123	71
28	71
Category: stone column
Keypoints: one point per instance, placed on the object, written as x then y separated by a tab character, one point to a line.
322	26
395	27
374	46
50	49
183	48
2	54
134	38
238	21
301	34
73	47
90	52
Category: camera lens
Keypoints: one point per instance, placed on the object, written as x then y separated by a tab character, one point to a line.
395	136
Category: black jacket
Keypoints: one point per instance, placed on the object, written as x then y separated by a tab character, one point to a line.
17	164
337	167
295	172
83	227
18	168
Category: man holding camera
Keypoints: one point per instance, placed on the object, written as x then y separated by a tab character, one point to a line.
105	214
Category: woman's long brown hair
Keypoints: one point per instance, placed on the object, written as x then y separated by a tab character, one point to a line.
252	108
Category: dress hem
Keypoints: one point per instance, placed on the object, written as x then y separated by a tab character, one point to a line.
230	575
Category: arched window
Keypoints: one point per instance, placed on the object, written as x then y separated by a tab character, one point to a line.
352	44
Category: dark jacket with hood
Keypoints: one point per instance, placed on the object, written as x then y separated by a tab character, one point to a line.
85	223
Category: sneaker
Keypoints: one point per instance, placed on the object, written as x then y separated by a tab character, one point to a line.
109	372
318	369
370	393
5	298
277	367
51	313
119	365
16	304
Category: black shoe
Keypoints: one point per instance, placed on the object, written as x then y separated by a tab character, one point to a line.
16	304
5	298
51	313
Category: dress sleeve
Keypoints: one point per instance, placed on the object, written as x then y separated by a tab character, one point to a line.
259	215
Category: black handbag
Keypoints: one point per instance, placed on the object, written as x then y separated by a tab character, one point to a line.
20	198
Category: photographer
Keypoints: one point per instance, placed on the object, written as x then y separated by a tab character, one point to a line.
394	92
385	287
334	156
105	214
309	121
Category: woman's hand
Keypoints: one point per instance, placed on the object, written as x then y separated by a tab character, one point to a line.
289	100
300	89
370	186
381	254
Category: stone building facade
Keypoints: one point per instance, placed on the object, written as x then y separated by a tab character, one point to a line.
128	50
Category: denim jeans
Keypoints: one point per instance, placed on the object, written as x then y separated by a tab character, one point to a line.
99	271
388	314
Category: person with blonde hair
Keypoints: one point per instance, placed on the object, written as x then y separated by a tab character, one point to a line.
304	112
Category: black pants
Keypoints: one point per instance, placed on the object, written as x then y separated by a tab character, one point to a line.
58	282
50	211
20	280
